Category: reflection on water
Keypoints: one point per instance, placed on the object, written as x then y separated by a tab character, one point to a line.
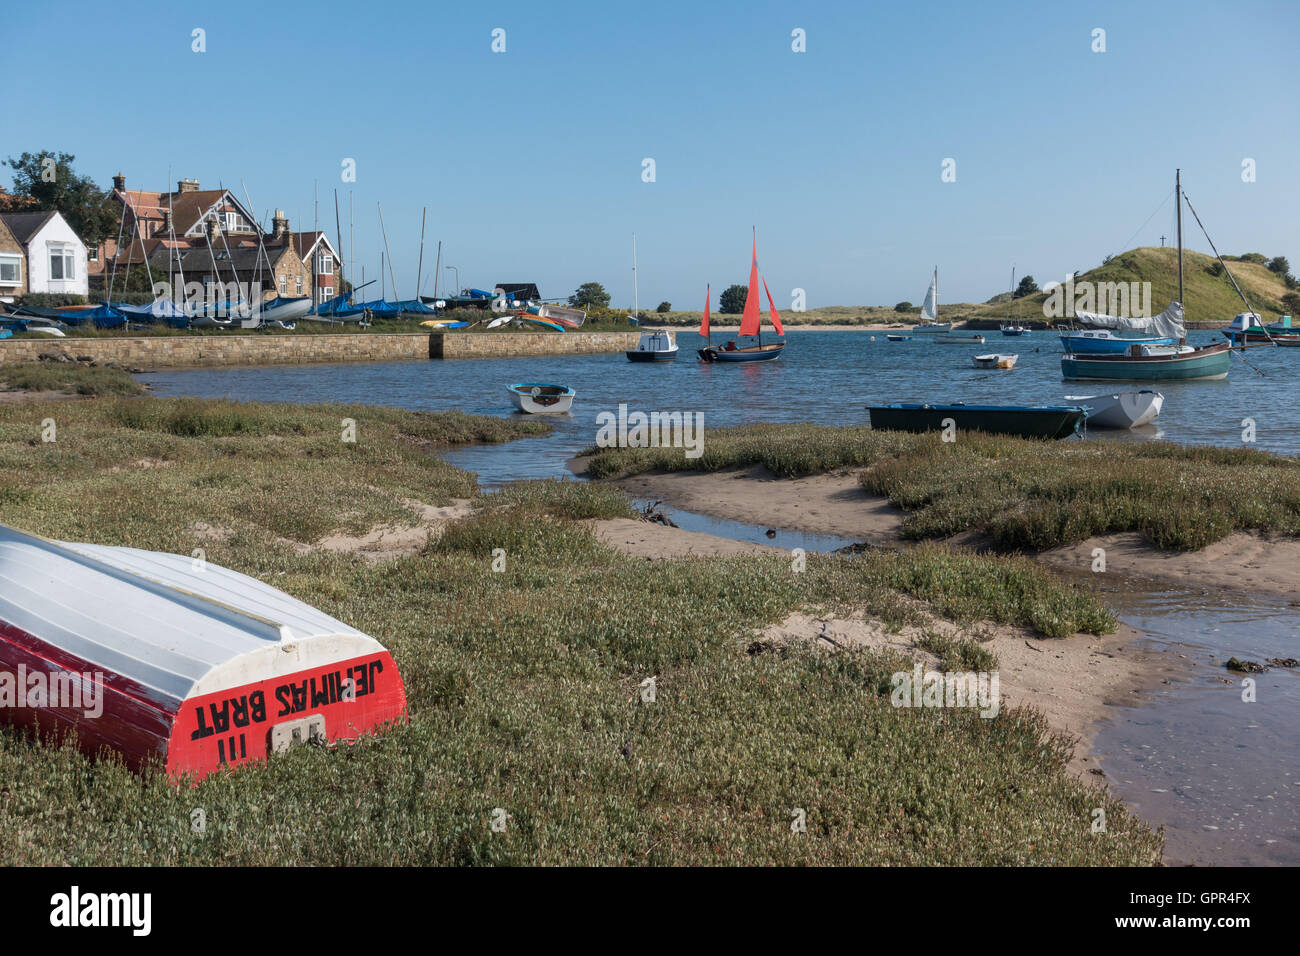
1221	774
824	377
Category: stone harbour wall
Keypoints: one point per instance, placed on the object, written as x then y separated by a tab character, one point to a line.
180	351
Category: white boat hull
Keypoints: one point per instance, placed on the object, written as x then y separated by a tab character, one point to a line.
1121	409
995	360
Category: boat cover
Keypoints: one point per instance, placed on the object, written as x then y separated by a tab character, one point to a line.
1168	324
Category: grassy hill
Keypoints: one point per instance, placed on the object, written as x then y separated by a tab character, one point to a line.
1209	293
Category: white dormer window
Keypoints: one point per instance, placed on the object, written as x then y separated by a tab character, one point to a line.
325	264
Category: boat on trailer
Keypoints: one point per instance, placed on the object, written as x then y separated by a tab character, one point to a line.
159	657
751	323
1024	421
653	346
1121	409
540	398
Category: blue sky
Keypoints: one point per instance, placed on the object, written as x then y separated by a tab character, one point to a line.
530	161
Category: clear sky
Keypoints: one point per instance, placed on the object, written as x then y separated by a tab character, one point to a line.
530	161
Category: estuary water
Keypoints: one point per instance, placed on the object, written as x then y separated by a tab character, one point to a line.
826	377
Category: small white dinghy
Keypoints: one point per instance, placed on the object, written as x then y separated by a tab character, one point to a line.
1121	409
539	398
995	360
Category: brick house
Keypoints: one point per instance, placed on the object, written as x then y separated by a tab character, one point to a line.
13	264
203	235
322	261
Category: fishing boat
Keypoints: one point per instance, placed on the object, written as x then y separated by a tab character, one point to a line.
1121	409
930	309
1105	342
958	338
1146	362
653	346
1013	330
995	360
897	338
1025	421
1247	327
157	656
751	323
539	398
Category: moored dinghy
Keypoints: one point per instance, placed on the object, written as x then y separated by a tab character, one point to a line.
539	398
199	668
1025	421
994	360
1121	409
958	338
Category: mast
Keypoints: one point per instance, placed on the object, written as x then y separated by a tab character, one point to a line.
390	255
754	231
419	270
1178	203
636	309
437	267
1012	291
338	228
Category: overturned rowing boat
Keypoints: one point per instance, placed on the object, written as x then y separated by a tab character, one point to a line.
165	657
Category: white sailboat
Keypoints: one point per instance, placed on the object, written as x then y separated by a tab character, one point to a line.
930	309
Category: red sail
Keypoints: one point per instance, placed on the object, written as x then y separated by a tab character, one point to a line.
776	319
704	326
749	320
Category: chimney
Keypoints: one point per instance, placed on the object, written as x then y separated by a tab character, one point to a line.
279	227
187	186
214	228
119	182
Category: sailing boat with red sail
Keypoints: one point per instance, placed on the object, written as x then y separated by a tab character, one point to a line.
750	325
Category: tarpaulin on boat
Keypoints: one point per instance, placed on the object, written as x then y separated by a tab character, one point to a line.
1168	324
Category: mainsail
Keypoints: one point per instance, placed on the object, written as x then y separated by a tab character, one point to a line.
929	307
1168	324
749	320
704	326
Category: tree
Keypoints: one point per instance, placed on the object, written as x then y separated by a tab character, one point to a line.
732	300
1291	302
1279	265
49	180
590	295
664	307
1027	287
903	307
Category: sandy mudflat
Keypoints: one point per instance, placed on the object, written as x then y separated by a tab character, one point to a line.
1073	680
654	541
835	504
1241	561
18	396
821	504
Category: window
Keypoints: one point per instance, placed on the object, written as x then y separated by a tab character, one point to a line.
325	264
235	223
284	284
299	283
11	269
62	265
92	254
323	294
